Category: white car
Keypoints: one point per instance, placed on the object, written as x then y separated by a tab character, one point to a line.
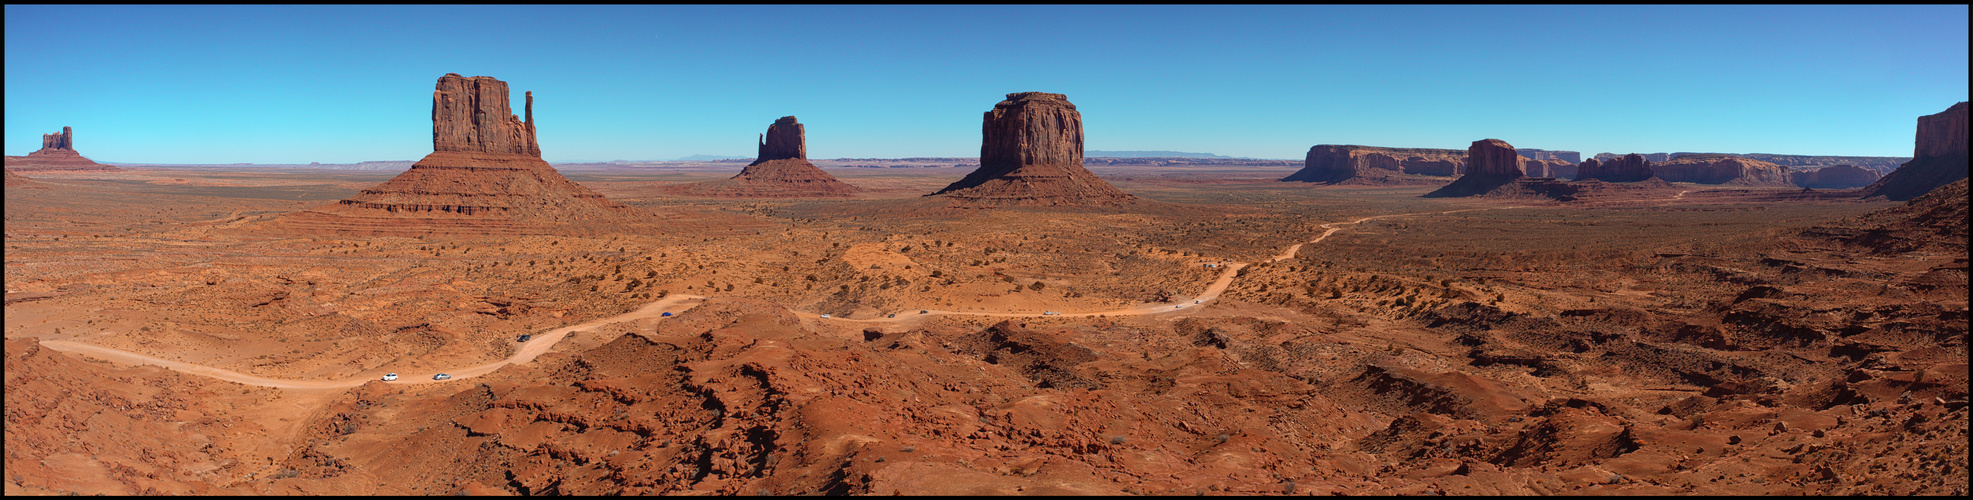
825	316
390	377
441	376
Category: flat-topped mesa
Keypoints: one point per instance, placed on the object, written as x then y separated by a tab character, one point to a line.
1724	169
1836	177
472	115
784	139
1351	164
781	171
1629	168
485	176
1031	154
1940	157
57	154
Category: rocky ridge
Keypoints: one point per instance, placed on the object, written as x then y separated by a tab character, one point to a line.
1836	177
1628	168
1722	169
1351	164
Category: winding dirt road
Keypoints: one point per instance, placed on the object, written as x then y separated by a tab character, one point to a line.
541	343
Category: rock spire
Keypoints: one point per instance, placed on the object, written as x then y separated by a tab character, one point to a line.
781	171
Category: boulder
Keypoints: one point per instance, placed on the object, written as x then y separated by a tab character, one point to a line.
1031	154
1939	158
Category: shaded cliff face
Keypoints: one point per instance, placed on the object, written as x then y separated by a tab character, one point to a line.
484	176
1836	177
781	171
1031	154
1722	169
1940	150
1628	168
1493	157
1374	165
57	154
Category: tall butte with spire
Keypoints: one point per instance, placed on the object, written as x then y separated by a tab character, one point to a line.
781	170
485	176
1031	155
57	154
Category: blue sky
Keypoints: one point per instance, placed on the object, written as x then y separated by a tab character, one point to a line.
342	84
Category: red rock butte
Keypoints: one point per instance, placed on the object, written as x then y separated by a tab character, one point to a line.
485	176
781	170
1031	155
57	154
1940	158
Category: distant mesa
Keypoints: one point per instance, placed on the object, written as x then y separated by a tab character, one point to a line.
1728	170
1570	157
485	176
1495	171
57	154
1371	165
1628	168
781	170
707	158
1031	155
1548	168
1836	177
1939	158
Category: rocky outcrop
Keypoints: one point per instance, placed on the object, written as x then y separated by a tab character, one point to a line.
485	176
781	171
1722	169
1836	177
1031	155
1628	168
784	139
1939	157
57	154
1547	168
1349	164
1490	164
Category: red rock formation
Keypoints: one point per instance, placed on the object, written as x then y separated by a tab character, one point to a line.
1836	177
1629	168
1547	168
1031	154
57	154
1490	164
1940	157
1351	164
1493	157
1588	169
1722	169
485	176
781	171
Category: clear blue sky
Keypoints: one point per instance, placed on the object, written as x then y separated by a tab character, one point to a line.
342	84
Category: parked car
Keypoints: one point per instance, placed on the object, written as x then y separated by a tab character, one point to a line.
825	316
923	311
390	376
523	338
441	376
667	313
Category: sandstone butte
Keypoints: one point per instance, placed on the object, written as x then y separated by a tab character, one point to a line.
57	154
1031	155
1548	168
1939	152
1351	164
1490	164
780	170
1836	177
1722	169
485	176
1629	168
